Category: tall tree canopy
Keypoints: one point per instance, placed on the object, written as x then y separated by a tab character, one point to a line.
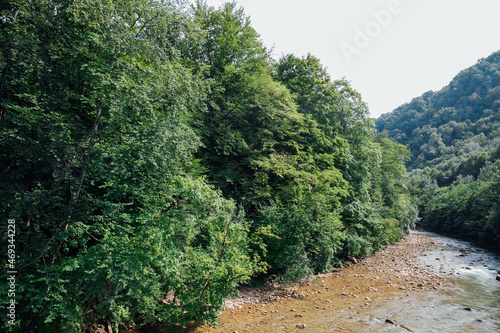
343	118
155	157
96	152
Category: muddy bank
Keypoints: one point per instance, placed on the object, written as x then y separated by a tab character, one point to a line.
392	272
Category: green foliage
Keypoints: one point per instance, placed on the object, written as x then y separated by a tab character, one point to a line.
461	118
305	235
95	143
252	134
454	140
180	266
377	200
155	158
336	107
468	208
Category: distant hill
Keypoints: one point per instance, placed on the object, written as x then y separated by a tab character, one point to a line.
459	118
454	139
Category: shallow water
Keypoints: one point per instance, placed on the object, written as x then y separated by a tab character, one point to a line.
470	304
469	300
473	304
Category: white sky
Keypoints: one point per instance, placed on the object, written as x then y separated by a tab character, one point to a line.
419	47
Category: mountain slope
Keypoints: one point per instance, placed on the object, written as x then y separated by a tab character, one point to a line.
454	139
461	117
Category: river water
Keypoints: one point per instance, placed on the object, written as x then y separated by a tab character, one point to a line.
470	303
448	286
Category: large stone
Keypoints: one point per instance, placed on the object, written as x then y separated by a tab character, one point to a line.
498	277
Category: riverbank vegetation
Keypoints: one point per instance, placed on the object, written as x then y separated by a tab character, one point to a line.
154	157
454	139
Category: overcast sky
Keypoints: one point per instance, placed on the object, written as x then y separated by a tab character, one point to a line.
390	50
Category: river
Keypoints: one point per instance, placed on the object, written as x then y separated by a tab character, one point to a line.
474	291
470	302
426	283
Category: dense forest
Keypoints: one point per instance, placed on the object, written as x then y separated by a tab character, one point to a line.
454	139
155	157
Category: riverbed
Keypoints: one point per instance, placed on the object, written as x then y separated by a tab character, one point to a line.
425	283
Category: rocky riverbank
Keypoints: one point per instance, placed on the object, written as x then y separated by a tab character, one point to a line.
361	284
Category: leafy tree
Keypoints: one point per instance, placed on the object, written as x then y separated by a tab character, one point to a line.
95	145
253	136
116	116
260	151
369	213
336	107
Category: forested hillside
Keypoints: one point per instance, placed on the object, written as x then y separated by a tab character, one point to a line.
155	157
454	139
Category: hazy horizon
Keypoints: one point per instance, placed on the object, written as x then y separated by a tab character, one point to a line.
390	50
